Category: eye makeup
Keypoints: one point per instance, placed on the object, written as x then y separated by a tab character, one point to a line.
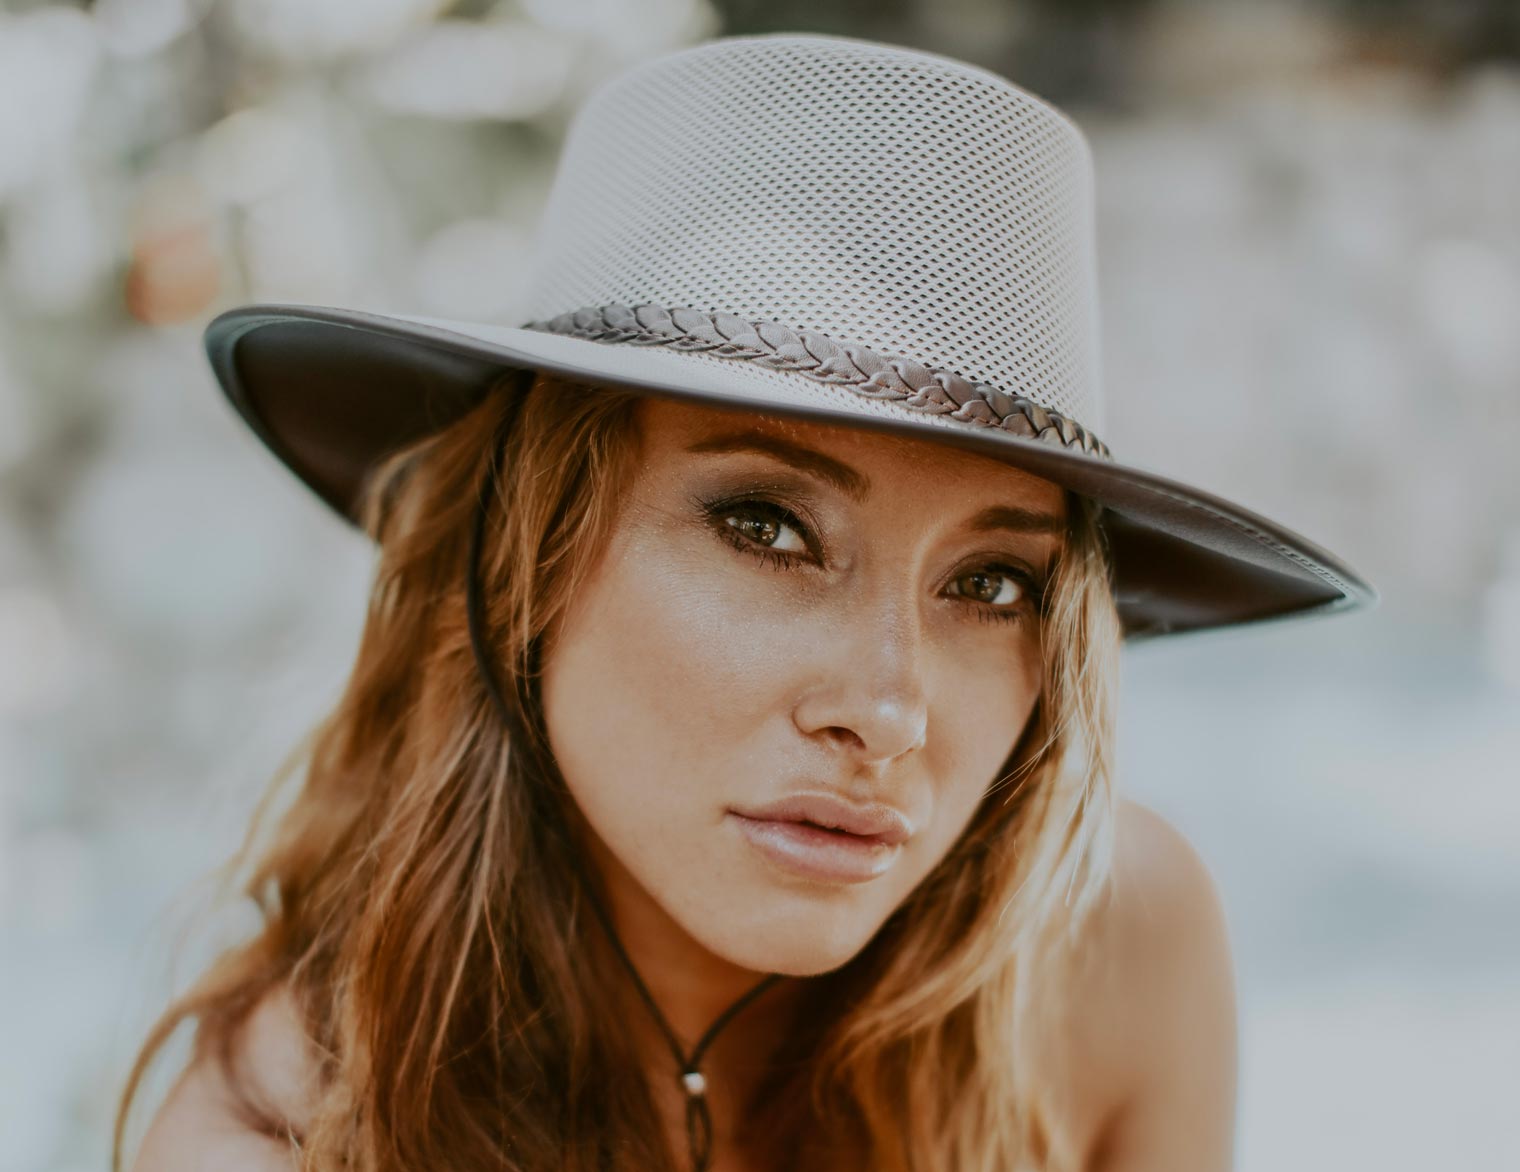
762	512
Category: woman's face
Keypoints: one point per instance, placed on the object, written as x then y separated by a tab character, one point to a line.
791	611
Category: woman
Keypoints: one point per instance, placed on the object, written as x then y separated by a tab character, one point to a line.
724	780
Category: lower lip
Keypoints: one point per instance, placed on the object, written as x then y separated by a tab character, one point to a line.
824	856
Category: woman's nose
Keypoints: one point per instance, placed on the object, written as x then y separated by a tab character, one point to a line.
869	695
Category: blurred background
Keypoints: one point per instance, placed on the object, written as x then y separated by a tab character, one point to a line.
1310	264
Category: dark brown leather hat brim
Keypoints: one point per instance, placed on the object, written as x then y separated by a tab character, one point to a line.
330	391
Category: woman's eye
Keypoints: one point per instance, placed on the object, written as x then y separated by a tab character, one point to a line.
993	587
776	536
765	526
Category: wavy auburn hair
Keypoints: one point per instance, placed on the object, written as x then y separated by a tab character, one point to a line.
433	934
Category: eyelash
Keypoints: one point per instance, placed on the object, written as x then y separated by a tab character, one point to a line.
718	512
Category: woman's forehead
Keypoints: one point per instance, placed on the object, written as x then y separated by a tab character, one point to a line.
674	428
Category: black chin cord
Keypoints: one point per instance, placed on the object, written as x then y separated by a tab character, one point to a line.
699	1128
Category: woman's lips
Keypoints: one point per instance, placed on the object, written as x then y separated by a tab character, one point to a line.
809	851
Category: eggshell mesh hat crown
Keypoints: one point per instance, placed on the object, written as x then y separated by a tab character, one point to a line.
810	226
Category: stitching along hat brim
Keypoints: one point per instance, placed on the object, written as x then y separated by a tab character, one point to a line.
330	391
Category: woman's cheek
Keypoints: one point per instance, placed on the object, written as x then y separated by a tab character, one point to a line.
720	628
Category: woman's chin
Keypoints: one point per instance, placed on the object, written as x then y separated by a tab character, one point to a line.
790	946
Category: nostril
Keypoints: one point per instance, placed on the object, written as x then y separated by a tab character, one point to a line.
849	736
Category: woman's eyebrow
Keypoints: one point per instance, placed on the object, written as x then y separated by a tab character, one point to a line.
852	483
856	485
1017	518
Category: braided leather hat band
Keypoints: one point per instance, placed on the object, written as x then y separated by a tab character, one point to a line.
875	375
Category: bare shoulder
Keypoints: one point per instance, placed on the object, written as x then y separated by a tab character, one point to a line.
202	1122
1162	886
1155	1007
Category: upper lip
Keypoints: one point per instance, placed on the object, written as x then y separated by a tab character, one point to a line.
868	820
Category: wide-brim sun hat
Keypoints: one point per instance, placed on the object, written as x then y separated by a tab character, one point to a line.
813	227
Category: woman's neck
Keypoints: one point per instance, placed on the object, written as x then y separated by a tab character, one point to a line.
693	987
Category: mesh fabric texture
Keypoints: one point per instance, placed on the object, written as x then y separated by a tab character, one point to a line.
897	199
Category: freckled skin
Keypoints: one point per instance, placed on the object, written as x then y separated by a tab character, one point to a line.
688	678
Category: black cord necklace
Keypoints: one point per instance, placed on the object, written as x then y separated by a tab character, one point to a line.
699	1128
